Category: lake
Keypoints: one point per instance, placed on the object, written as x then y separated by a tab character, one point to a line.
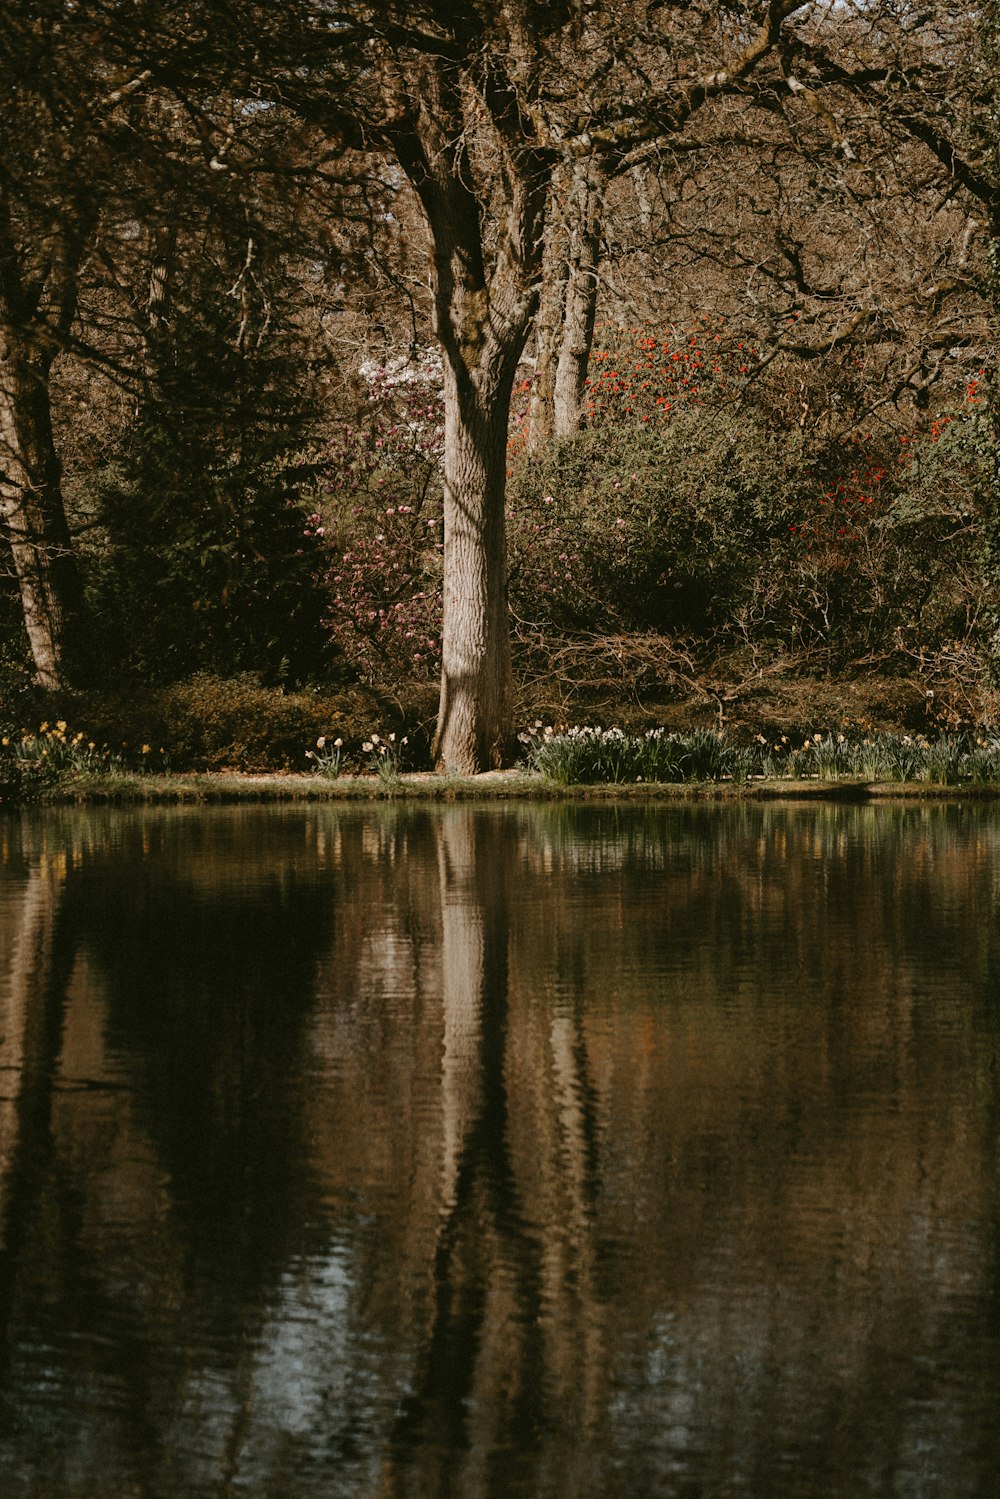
538	1150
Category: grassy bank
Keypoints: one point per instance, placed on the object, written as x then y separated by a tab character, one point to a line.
222	741
228	788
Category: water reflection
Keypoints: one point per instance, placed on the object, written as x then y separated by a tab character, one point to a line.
539	1150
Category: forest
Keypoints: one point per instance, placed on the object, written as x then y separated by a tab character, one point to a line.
440	369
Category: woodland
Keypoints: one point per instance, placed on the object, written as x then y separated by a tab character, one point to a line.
443	368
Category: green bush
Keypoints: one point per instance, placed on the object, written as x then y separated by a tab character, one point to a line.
17	689
214	723
202	569
715	522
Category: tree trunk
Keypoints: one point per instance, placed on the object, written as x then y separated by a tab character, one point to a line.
551	307
564	328
474	712
485	295
580	308
990	42
34	519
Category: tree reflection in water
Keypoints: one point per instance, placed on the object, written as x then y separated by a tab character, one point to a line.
510	1300
540	1150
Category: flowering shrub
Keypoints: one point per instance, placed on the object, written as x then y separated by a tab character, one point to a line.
651	374
379	517
711	496
702	500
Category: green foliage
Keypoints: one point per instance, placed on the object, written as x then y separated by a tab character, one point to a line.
385	758
585	755
200	559
641	528
203	572
215	723
32	761
17	692
715	522
328	757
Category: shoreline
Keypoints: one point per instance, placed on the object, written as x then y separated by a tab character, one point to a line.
228	787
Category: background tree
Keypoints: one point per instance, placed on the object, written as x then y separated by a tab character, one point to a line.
474	105
198	557
59	163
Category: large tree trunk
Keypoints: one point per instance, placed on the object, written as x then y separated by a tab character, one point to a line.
485	295
34	518
474	712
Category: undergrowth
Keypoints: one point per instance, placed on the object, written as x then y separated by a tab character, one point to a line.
586	755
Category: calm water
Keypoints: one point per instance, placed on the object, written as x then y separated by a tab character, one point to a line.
516	1152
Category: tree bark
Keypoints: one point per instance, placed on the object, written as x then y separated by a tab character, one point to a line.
34	518
580	308
551	307
564	328
474	710
37	306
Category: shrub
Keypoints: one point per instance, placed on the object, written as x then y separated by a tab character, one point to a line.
204	570
379	518
694	505
213	723
17	689
691	526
